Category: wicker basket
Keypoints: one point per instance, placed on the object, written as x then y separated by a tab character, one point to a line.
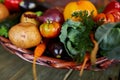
101	64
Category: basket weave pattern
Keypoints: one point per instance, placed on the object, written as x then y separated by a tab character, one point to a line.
27	55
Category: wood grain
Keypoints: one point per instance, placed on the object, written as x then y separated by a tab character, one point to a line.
14	68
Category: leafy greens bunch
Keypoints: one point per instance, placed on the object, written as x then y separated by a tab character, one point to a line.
75	35
108	37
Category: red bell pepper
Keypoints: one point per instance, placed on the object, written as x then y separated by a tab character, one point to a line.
113	5
12	5
113	8
116	14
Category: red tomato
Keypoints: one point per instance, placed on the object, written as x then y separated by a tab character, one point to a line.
12	5
50	30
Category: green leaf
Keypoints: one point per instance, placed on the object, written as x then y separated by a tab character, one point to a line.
75	35
108	35
75	39
114	53
85	17
39	13
71	49
63	34
3	31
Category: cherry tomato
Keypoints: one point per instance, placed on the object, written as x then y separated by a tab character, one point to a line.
50	30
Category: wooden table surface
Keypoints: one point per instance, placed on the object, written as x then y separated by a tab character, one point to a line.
14	68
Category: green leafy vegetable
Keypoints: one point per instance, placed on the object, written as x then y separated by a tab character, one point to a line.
3	31
6	24
85	18
39	13
114	53
75	35
108	36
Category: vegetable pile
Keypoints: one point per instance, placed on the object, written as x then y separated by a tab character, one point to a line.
78	33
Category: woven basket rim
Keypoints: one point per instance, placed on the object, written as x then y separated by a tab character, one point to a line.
102	62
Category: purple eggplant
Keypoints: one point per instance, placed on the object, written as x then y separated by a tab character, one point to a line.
57	50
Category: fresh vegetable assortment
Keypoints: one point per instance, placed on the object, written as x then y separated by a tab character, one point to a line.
78	32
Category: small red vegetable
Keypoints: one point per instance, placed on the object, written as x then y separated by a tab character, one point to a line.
111	13
116	14
50	29
52	14
104	18
12	5
112	6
